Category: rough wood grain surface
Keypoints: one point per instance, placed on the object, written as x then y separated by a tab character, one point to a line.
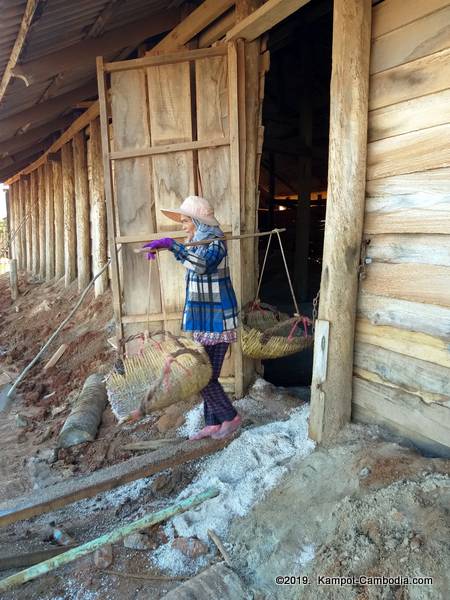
81	185
98	209
411	203
410	343
58	201
413	40
428	381
41	200
34	222
70	243
49	223
169	93
61	494
422	76
415	282
403	314
409	153
426	425
404	248
387	16
410	115
28	225
133	190
345	211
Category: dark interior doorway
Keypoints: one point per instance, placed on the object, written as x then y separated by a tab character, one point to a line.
294	168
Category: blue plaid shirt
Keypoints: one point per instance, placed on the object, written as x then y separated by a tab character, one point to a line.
211	304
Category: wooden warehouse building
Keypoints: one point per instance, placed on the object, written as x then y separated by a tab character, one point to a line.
329	118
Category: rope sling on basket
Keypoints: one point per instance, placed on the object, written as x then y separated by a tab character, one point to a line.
167	369
267	333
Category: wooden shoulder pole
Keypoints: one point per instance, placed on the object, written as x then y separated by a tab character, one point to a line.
331	398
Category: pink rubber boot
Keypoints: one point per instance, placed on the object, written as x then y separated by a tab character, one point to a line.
227	428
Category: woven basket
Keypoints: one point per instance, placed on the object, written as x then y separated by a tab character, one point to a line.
271	334
168	369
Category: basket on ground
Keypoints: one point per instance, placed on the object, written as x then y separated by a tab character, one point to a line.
167	370
266	333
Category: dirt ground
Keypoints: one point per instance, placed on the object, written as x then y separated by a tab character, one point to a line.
365	506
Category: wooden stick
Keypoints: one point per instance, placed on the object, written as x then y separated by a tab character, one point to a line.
56	356
215	538
28	559
226	239
109	538
149	444
145	577
63	493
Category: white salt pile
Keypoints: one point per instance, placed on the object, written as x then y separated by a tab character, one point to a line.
243	472
193	421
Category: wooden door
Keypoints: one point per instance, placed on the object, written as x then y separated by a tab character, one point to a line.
175	133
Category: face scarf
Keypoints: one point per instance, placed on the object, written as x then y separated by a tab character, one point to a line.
204	232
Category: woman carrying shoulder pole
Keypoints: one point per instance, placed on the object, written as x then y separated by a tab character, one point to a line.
210	310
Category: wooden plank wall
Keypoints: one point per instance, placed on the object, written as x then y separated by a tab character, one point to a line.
402	352
56	213
181	102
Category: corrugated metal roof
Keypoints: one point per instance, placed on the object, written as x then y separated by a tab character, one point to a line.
58	24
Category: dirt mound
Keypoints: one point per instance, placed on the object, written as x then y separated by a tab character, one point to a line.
357	509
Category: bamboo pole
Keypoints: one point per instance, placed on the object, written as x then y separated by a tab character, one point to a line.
225	239
109	538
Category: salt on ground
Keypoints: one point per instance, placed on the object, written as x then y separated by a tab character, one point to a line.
193	421
243	472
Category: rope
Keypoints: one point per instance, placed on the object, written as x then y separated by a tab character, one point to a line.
255	303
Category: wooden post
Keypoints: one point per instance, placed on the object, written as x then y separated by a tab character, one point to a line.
28	228
12	222
82	209
271	189
331	399
49	223
70	243
13	279
23	220
98	208
42	219
303	219
58	203
34	223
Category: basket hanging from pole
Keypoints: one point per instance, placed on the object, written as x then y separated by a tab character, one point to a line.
168	369
267	333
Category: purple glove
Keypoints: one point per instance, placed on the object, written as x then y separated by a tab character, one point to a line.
153	246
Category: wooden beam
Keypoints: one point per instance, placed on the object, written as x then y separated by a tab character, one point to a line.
49	223
58	201
102	18
41	200
18	44
83	53
200	18
24	141
181	34
70	246
61	494
98	209
46	110
331	399
263	19
34	222
82	210
217	30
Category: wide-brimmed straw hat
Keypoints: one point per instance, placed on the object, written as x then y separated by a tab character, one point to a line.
195	207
